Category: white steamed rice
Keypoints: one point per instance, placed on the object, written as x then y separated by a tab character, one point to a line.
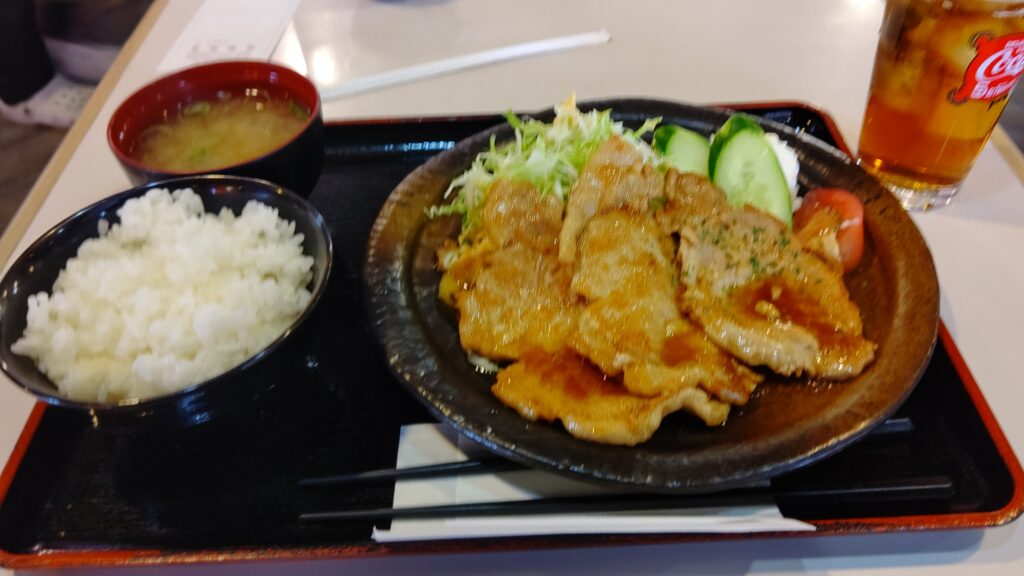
168	298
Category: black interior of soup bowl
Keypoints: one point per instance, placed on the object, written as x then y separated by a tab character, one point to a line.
37	269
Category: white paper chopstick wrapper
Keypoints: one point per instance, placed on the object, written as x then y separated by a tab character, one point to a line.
463	62
230	30
424	444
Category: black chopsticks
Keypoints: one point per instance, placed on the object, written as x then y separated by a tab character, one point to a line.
913	489
482	466
906	489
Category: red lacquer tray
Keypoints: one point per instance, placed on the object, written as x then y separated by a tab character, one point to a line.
73	494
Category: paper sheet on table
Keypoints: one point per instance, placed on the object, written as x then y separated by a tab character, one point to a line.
423	444
230	30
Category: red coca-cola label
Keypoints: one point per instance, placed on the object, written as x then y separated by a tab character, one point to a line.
995	69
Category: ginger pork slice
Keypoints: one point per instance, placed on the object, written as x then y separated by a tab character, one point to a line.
614	177
757	293
508	286
520	300
630	324
818	235
687	197
563	386
517	213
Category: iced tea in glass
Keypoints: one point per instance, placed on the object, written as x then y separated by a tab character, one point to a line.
943	73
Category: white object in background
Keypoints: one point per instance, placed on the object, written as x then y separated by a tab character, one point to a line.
464	62
230	30
424	444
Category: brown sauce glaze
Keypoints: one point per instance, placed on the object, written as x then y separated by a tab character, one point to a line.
678	349
793	306
571	373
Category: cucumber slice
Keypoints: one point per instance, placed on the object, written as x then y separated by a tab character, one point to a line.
684	150
746	168
734	125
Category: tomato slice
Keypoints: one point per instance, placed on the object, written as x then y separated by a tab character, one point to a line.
849	208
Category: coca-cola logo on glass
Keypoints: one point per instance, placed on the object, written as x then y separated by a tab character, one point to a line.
995	69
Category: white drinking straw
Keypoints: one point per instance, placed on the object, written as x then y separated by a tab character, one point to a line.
464	62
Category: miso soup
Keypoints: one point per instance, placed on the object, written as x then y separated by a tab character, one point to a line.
210	134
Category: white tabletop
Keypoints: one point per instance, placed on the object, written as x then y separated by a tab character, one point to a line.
699	51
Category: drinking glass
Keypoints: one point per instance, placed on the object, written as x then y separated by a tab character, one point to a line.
944	71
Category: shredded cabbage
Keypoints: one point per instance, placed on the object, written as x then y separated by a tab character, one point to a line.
549	156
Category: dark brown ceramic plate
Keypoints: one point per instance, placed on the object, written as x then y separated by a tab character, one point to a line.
788	424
